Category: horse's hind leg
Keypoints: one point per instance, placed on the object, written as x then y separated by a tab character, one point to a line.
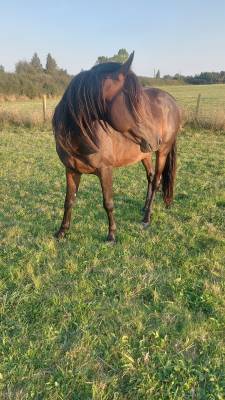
159	166
147	162
105	176
169	175
72	185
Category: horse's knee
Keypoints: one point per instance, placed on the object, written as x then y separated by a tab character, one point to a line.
108	205
69	202
156	182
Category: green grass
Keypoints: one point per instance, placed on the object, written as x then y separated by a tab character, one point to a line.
29	106
143	319
212	97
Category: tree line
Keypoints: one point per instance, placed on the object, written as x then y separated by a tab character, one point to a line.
204	78
31	79
200	79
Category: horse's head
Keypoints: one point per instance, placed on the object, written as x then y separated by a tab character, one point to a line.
127	108
108	93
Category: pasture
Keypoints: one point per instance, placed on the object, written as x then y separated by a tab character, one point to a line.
143	319
211	111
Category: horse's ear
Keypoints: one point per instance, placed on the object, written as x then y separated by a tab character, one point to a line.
126	66
112	86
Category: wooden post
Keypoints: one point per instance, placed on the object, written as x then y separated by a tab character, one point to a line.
44	107
197	106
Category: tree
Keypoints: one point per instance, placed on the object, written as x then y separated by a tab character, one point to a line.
158	74
51	65
36	63
2	69
177	77
23	67
101	59
168	77
120	57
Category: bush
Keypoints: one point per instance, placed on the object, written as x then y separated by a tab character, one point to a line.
33	84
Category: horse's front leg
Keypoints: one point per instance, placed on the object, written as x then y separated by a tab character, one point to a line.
105	176
72	185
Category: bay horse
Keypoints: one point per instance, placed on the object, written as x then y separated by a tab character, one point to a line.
106	119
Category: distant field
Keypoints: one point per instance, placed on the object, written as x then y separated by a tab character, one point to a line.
212	96
212	101
141	320
26	110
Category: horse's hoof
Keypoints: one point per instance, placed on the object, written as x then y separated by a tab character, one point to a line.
168	202
111	239
110	242
60	234
145	225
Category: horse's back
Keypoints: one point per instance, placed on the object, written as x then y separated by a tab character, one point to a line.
156	94
164	109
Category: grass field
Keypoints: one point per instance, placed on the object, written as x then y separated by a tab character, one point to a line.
143	319
212	105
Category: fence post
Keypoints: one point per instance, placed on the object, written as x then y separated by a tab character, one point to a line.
44	107
197	106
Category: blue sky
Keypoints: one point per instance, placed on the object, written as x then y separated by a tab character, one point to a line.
183	36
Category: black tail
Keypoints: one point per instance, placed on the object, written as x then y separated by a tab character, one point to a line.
168	176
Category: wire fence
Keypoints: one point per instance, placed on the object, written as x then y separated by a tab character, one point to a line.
202	105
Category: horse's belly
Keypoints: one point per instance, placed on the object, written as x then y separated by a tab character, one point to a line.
123	151
128	162
131	156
